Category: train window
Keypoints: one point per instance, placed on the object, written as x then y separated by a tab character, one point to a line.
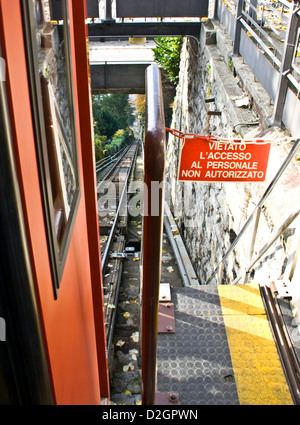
50	71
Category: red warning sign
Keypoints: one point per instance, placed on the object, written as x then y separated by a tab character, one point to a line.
210	160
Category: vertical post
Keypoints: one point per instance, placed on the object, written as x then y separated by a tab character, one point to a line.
108	12
216	9
253	10
238	28
287	59
295	250
252	244
221	272
154	158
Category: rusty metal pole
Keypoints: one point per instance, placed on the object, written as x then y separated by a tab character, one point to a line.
154	165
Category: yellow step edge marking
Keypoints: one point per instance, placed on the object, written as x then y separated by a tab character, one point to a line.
258	372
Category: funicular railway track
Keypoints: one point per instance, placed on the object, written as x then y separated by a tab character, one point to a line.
105	166
112	185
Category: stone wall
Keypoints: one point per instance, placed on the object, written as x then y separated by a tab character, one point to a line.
210	215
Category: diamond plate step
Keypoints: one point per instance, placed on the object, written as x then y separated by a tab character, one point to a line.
195	361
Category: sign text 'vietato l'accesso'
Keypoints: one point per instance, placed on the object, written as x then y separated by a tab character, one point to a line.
203	158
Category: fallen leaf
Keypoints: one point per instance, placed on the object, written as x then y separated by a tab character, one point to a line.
128	368
135	337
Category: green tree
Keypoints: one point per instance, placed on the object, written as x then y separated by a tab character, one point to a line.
120	107
100	149
105	122
167	53
120	139
113	116
112	113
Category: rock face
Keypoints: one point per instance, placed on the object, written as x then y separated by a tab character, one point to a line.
211	215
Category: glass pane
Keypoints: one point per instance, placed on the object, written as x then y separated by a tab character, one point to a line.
53	59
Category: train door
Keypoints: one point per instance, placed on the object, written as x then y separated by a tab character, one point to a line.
51	159
24	374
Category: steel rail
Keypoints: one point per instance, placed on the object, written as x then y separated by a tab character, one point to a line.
105	256
120	203
102	161
287	354
113	168
114	315
154	164
108	158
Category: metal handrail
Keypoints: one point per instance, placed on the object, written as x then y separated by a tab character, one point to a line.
260	28
274	237
269	52
103	160
154	160
254	19
254	213
233	5
100	164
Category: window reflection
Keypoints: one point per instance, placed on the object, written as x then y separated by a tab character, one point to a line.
49	62
53	71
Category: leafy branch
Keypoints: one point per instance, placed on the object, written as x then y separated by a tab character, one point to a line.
167	53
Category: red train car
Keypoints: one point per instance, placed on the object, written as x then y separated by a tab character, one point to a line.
53	347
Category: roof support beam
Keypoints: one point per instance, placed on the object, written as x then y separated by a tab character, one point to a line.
144	29
119	78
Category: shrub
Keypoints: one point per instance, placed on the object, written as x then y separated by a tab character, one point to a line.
167	54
